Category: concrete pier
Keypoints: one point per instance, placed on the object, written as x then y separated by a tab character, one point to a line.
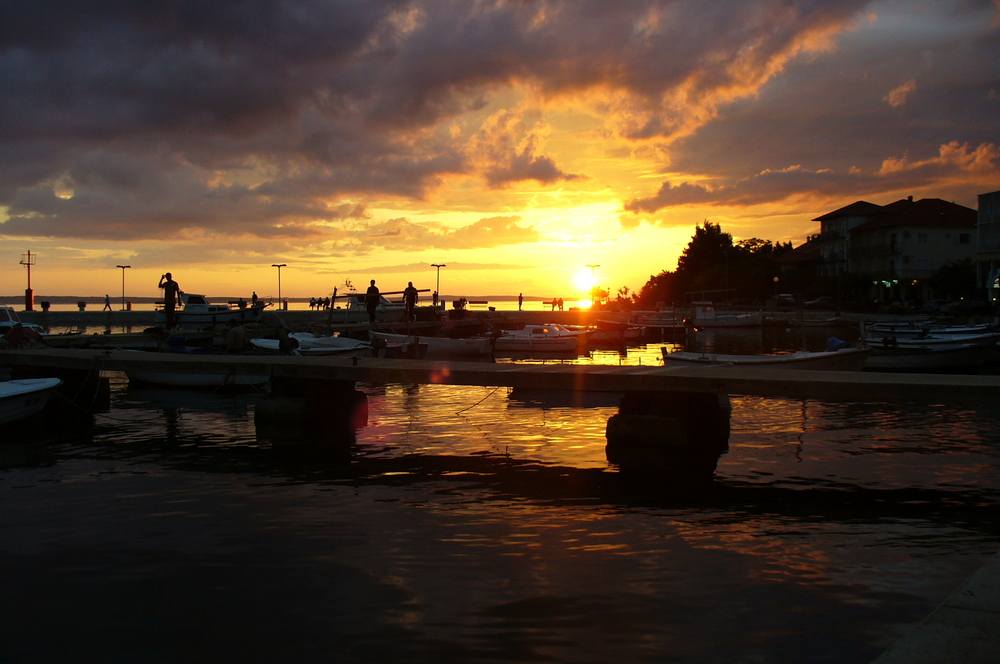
964	629
731	380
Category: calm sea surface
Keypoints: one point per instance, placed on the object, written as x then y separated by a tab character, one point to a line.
473	525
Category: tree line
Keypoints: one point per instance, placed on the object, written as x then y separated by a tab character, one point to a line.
744	272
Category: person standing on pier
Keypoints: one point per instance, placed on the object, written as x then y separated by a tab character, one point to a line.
171	291
107	302
372	302
520	301
254	298
410	299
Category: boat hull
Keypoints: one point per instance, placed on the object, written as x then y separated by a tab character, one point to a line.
20	399
443	347
196	381
848	359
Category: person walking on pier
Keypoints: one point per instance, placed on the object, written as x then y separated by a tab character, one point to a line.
171	291
107	303
372	302
410	299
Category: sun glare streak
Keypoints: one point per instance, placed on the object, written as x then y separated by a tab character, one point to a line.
584	281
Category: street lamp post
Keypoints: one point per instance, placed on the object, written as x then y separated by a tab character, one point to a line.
123	268
437	289
279	266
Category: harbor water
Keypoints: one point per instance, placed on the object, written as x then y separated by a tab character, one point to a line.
470	524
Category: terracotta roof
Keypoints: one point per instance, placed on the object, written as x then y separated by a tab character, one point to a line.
856	209
925	212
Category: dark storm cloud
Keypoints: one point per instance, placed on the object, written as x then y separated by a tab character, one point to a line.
922	88
133	120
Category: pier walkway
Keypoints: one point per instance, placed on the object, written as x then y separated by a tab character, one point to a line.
799	384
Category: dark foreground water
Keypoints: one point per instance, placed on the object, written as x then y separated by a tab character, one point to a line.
470	525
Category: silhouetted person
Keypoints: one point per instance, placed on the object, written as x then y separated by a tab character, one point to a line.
520	301
371	302
254	298
410	299
107	303
171	291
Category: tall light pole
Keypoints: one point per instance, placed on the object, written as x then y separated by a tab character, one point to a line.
437	288
123	267
279	266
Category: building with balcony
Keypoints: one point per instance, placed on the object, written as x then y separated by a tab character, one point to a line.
834	242
901	247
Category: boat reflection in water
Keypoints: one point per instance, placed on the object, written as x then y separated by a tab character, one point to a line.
466	526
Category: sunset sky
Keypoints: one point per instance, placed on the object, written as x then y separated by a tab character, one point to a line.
517	142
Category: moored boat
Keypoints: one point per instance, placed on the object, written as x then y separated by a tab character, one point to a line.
550	337
315	345
845	359
197	313
443	347
705	314
22	398
9	320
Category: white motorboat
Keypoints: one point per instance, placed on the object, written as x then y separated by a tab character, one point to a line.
443	347
9	318
550	337
197	313
22	398
845	359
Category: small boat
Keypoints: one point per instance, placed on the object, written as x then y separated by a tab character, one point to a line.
197	313
845	359
615	333
705	314
194	380
550	337
315	345
443	347
909	330
22	398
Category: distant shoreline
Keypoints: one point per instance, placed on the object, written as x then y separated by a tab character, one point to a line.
70	302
